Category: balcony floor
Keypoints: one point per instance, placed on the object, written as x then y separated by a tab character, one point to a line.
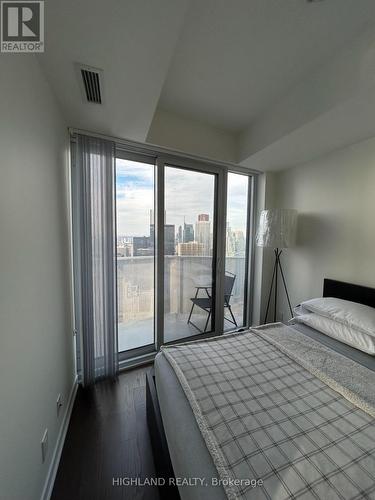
137	333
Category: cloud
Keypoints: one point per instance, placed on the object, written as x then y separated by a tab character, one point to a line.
187	194
237	201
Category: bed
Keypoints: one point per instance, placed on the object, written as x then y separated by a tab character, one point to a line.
205	466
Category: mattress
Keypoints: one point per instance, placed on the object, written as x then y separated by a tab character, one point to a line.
189	454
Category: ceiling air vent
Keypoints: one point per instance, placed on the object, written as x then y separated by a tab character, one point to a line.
91	83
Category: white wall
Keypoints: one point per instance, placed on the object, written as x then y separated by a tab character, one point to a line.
36	353
335	198
180	133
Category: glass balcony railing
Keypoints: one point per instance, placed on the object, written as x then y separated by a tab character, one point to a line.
135	281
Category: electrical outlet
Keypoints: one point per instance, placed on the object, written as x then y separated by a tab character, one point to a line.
44	445
59	404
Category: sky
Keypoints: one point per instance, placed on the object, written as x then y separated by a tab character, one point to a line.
187	194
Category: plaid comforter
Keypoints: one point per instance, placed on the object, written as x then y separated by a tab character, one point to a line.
265	416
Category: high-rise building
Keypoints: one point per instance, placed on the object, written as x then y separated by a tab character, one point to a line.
230	242
180	235
169	235
188	233
203	233
240	243
192	248
169	239
235	243
142	245
203	217
125	250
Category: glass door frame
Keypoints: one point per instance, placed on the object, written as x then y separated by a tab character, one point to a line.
160	162
150	159
219	244
250	245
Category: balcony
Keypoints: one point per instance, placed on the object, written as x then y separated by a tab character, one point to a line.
135	278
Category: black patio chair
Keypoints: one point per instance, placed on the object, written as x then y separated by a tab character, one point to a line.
205	303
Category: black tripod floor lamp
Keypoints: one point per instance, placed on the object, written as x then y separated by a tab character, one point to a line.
277	230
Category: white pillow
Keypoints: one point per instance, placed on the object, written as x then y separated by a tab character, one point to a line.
300	310
339	331
357	316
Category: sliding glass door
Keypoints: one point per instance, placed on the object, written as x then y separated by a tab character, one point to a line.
135	186
189	252
237	250
183	251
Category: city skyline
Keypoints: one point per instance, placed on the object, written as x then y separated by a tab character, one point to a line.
178	240
135	197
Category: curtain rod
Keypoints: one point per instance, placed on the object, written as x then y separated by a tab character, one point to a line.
151	149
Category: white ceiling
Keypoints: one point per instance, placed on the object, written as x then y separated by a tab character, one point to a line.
226	63
132	41
329	132
234	59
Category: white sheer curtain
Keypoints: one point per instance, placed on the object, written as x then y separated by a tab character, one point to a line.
94	219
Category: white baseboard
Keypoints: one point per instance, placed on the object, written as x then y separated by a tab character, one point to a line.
54	465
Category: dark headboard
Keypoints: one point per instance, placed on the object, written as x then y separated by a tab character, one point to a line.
348	291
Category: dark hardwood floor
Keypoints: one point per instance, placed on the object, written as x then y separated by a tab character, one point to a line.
107	438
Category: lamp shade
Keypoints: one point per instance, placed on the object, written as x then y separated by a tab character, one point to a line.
277	228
